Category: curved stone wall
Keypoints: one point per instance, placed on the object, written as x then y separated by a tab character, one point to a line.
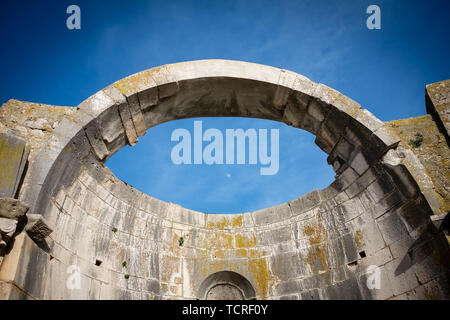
128	245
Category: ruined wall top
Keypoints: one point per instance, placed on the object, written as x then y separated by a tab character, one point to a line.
438	104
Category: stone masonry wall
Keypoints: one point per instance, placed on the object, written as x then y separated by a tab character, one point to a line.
128	245
316	247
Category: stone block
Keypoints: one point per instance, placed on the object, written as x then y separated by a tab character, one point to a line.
166	81
289	297
272	215
127	121
371	122
136	115
273	236
110	125
367	235
148	98
359	163
179	214
361	183
96	104
14	153
346	178
345	150
310	124
345	290
392	228
415	214
305	203
401	282
310	295
335	253
400	247
32	260
349	246
288	288
285	83
96	140
12	208
37	227
9	291
387	137
304	85
335	98
247	220
438	104
380	188
294	113
329	192
331	129
357	134
378	258
287	266
428	259
318	110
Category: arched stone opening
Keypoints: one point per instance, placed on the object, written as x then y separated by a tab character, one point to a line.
317	246
226	285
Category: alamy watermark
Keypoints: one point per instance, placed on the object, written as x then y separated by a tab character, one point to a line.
374	20
214	152
74	20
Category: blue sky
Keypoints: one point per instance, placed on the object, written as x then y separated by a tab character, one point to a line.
384	70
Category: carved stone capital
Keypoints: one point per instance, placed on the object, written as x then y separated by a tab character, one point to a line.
12	208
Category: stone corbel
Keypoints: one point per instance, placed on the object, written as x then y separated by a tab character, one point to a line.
14	219
12	211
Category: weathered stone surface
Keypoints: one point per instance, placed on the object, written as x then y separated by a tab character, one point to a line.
438	104
94	135
12	208
127	121
12	211
128	245
37	228
392	228
7	227
305	203
136	115
285	84
272	215
441	222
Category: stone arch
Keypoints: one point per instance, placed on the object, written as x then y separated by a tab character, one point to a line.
120	113
317	246
241	288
